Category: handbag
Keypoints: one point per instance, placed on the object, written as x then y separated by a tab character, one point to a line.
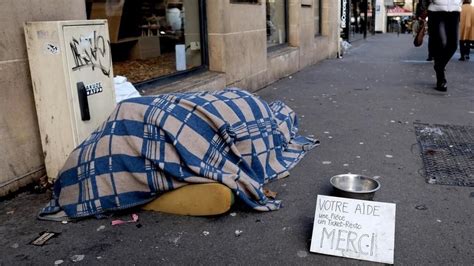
420	34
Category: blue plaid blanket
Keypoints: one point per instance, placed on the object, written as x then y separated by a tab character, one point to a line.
151	145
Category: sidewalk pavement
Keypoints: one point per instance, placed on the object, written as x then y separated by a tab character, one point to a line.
362	107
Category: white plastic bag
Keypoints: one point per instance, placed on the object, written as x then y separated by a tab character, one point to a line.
124	89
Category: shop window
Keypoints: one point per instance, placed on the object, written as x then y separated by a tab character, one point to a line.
276	22
317	17
151	39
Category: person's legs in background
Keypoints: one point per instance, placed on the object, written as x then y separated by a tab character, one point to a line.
430	48
429	58
463	49
435	44
443	28
468	50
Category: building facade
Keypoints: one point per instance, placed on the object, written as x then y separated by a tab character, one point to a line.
162	46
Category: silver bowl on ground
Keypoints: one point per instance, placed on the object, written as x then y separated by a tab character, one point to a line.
355	186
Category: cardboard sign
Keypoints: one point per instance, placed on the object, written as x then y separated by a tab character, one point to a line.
357	229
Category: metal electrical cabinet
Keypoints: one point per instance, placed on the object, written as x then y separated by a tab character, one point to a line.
72	77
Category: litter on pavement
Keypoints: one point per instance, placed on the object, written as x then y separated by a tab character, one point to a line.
43	238
77	258
118	222
238	232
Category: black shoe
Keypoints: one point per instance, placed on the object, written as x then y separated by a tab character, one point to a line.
441	86
467	58
462	59
440	78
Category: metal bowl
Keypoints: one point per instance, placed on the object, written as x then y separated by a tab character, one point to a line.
355	186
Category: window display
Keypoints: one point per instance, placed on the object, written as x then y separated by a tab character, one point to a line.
151	38
276	22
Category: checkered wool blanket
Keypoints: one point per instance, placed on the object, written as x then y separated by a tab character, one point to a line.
151	145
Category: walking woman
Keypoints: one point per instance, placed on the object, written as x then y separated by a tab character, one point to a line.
443	30
466	29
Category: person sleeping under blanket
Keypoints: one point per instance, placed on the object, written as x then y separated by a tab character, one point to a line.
172	149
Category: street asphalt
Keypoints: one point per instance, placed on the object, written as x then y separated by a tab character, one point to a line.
362	108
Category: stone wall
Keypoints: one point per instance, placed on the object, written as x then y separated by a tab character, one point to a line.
21	156
237	41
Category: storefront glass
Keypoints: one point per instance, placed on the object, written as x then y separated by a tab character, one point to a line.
358	23
151	38
276	22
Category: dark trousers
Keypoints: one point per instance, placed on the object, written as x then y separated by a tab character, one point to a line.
443	37
465	48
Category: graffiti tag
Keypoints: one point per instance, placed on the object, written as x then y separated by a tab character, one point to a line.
52	49
91	51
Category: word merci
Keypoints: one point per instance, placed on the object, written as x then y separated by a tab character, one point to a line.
363	244
354	229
